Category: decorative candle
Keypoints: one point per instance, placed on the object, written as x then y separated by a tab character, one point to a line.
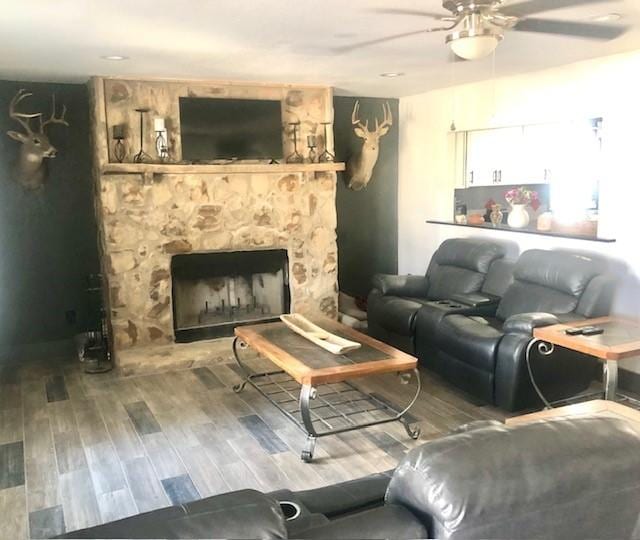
158	124
311	141
118	131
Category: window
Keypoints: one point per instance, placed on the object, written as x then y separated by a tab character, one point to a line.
565	155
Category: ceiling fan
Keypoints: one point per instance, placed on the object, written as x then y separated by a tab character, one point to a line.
477	26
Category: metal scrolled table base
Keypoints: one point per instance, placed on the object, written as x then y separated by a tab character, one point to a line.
310	393
609	376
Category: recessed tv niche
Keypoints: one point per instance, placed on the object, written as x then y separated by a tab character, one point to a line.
216	128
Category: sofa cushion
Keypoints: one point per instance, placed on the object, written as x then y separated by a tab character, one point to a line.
569	273
389	521
408	285
396	314
523	297
459	266
499	277
445	281
473	340
549	281
470	253
538	480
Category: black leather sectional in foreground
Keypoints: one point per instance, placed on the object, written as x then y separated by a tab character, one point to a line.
471	317
570	478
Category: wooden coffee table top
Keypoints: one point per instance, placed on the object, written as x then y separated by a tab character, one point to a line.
309	364
598	407
621	338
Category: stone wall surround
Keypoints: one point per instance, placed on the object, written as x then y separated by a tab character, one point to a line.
143	224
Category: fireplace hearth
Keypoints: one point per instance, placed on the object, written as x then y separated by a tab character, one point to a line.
215	292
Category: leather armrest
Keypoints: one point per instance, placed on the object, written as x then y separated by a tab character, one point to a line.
476	299
390	285
238	514
525	323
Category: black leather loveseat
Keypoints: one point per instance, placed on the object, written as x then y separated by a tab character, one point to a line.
572	478
458	267
484	353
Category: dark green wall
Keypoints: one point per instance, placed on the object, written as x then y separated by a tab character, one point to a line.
367	219
47	239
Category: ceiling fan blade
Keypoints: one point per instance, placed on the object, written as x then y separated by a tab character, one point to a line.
531	7
348	48
571	28
415	13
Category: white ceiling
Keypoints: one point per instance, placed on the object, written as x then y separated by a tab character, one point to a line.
271	40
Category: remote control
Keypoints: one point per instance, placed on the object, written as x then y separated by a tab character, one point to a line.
573	331
592	331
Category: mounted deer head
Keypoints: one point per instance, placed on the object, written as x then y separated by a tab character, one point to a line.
360	165
35	144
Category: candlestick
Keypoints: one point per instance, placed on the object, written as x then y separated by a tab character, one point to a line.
295	157
118	132
119	149
326	156
141	156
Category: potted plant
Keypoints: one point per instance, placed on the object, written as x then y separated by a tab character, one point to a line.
519	198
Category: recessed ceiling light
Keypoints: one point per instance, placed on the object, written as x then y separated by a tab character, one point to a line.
115	57
392	74
608	17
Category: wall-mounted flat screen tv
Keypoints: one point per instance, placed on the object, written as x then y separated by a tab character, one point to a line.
216	128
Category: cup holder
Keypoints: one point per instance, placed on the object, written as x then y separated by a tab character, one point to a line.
290	510
448	304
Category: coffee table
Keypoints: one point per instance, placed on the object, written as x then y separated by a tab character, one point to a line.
314	387
620	340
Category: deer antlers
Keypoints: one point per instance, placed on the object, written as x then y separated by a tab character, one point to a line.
387	120
24	118
354	117
53	119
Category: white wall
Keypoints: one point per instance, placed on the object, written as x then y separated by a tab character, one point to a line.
608	87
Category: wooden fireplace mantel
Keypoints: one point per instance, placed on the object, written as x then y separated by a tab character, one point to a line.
226	168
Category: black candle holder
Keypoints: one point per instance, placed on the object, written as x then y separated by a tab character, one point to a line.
295	157
119	149
142	156
326	156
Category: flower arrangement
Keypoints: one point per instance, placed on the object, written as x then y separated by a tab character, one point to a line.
521	195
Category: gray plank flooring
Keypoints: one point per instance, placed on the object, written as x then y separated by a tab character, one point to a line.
77	450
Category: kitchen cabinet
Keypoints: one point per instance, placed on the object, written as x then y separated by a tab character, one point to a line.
493	156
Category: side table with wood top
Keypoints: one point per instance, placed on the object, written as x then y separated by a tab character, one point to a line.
619	341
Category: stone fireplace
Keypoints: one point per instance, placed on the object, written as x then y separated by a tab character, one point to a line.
213	293
154	216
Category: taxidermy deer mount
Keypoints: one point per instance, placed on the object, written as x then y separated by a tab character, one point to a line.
35	147
360	165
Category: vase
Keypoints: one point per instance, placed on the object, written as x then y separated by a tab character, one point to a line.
518	217
496	215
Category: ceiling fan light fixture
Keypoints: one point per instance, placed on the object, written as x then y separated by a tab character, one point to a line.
473	45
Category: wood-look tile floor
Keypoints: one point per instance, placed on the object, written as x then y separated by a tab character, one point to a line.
77	450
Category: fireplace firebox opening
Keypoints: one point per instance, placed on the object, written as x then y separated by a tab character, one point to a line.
215	292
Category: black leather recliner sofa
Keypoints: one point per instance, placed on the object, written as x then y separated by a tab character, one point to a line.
569	478
484	354
458	267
